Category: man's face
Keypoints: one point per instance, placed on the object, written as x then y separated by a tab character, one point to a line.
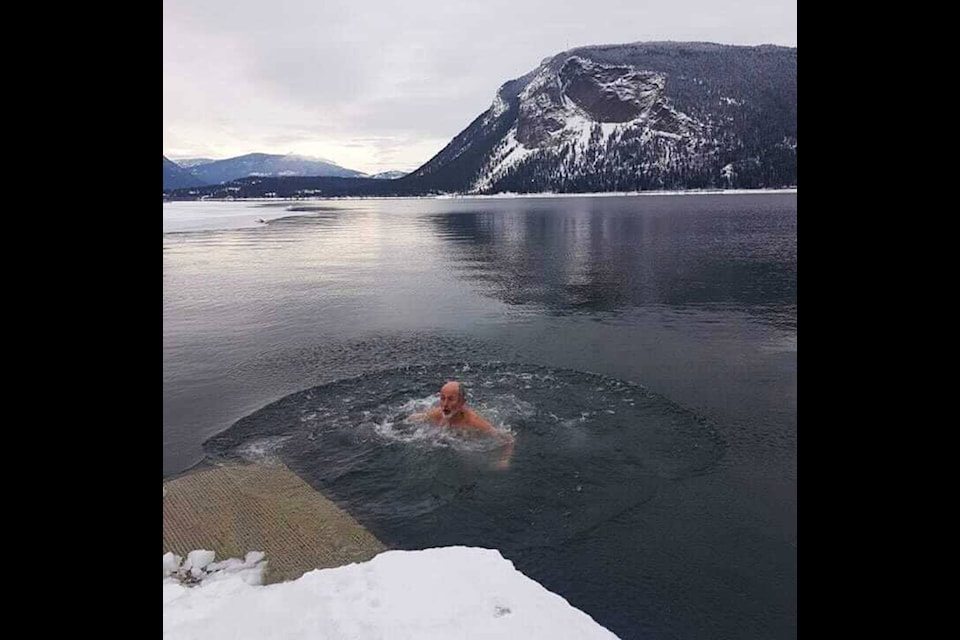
450	402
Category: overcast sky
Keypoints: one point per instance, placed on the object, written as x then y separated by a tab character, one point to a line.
376	85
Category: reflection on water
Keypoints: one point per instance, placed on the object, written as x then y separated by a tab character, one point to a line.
610	255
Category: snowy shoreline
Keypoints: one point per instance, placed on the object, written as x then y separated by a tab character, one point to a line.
495	196
450	592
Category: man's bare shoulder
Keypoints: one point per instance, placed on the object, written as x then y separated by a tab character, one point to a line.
480	423
477	421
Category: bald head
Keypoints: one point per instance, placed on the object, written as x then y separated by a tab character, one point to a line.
452	398
452	386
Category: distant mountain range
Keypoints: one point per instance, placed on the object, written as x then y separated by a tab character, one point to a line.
186	163
213	172
632	117
389	175
178	177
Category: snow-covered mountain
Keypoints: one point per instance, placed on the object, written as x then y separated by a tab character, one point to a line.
264	164
187	163
632	117
176	176
388	175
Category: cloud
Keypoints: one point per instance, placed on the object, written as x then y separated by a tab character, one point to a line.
243	76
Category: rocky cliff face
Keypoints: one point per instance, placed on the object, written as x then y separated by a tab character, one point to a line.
632	117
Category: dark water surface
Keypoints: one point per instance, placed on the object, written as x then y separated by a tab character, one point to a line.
642	350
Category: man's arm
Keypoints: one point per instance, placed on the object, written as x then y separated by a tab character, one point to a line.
506	438
507	456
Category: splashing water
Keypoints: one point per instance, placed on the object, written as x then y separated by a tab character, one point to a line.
587	447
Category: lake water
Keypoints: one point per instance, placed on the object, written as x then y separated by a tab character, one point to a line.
642	350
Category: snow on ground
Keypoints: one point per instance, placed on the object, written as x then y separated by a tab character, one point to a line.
451	592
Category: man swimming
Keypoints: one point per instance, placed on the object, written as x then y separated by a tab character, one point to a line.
454	413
